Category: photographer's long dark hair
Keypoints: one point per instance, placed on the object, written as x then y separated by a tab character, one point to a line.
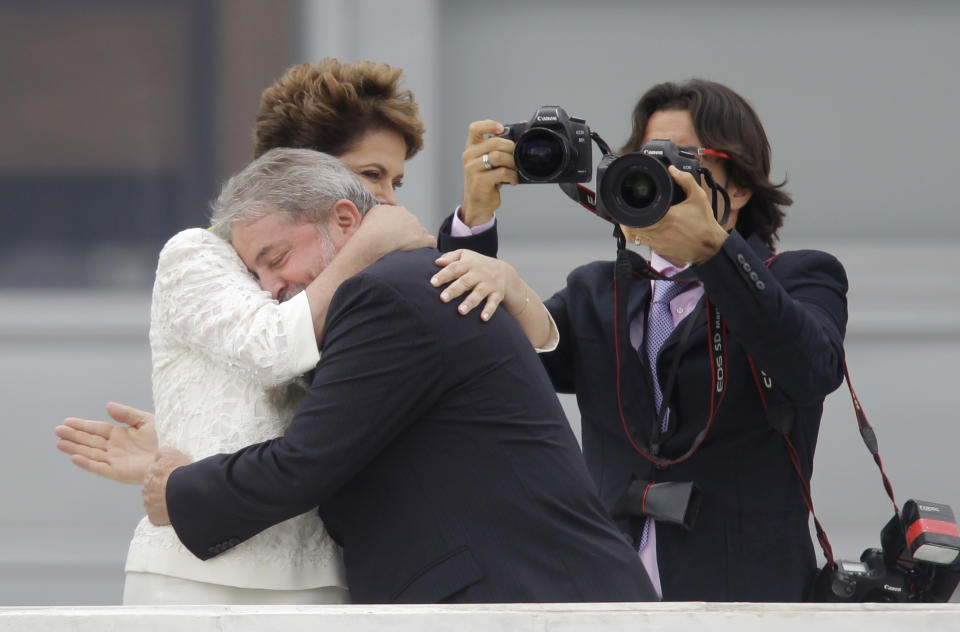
724	121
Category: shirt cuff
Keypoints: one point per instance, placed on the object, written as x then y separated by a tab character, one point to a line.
554	338
459	229
300	334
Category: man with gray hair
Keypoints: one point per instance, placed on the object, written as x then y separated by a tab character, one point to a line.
433	444
304	183
282	188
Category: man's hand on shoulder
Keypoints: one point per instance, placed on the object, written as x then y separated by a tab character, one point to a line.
155	484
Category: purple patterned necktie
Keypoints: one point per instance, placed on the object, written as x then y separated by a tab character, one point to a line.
659	328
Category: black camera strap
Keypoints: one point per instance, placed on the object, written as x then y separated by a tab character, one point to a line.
602	144
781	416
714	188
630	265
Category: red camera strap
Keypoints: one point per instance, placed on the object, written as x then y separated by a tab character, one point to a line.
779	414
766	384
629	265
869	438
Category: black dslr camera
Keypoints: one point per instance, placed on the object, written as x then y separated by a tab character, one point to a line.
636	189
918	561
551	147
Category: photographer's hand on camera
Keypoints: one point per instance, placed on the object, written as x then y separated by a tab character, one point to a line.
482	179
493	282
689	232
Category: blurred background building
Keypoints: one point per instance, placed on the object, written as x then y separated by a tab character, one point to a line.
119	119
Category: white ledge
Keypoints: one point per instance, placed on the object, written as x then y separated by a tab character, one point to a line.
656	617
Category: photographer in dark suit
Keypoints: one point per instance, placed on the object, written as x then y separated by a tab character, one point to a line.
433	444
783	319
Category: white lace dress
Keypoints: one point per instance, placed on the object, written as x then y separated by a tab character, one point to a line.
226	358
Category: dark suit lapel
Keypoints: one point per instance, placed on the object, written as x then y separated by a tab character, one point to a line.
639	298
636	393
698	338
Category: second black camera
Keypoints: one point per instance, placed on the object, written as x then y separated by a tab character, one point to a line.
551	147
636	189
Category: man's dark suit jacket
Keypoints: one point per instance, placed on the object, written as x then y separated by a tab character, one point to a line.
438	454
751	541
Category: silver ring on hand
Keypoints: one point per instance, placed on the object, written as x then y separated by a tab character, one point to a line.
486	161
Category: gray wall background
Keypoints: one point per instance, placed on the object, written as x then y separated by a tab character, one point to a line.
857	98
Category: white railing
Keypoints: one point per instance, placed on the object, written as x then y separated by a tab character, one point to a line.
672	617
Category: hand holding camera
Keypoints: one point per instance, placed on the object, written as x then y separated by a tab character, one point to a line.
552	147
487	164
687	231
